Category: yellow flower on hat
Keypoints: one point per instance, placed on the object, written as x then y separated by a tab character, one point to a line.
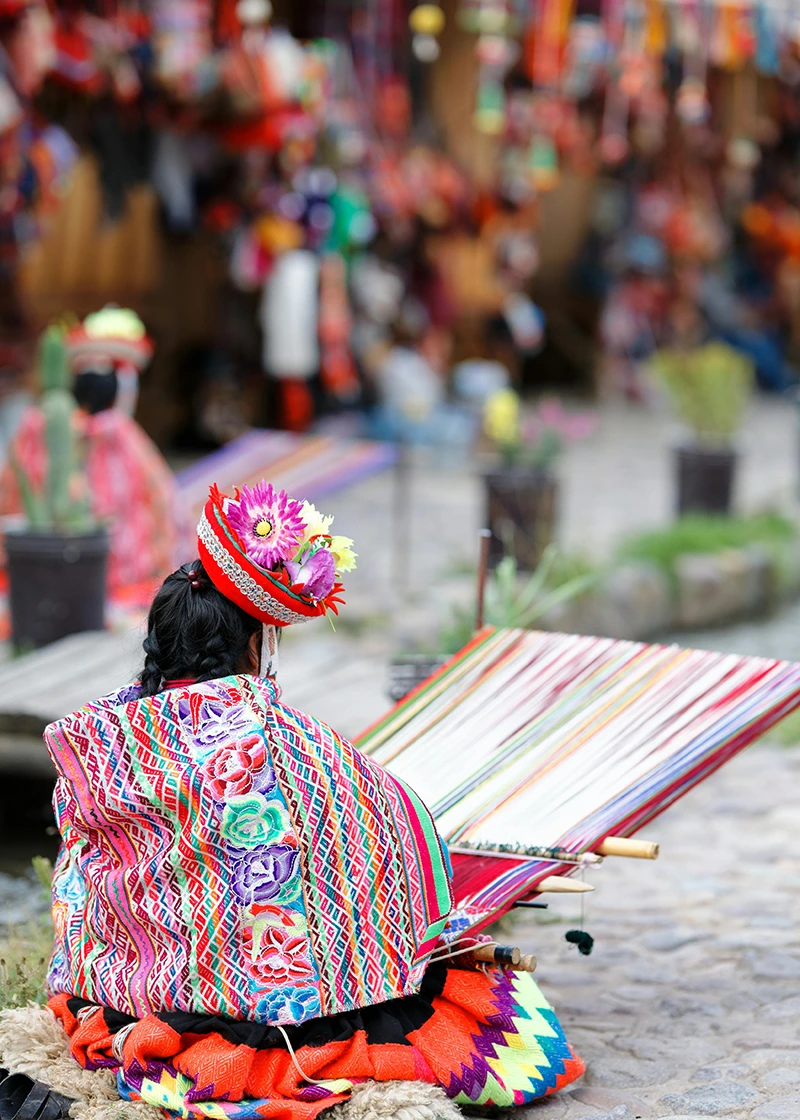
316	523
341	549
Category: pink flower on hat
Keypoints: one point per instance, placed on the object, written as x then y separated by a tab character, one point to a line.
268	522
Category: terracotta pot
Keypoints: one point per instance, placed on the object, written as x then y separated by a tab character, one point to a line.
57	585
705	479
521	514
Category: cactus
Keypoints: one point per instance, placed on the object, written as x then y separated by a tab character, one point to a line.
56	508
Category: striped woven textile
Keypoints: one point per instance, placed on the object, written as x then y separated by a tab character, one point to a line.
528	739
311	466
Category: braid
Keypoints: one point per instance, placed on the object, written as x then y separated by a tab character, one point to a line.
151	674
194	632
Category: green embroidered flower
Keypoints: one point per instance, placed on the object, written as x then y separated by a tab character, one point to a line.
250	821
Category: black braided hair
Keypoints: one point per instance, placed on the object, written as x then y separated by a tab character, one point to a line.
194	632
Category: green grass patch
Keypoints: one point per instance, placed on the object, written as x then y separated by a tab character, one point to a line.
708	534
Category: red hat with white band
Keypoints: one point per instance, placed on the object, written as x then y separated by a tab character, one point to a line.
272	555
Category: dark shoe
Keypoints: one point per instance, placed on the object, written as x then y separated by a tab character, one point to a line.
22	1098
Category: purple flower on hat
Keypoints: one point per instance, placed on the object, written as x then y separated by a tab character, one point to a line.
316	573
268	521
269	874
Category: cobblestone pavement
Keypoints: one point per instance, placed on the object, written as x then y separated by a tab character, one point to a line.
690	1003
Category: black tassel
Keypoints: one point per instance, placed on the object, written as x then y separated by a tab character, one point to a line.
583	940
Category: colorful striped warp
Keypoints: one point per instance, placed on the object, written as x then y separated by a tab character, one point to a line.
528	739
309	465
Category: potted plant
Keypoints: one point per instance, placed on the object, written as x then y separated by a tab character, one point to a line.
57	558
510	602
709	388
522	492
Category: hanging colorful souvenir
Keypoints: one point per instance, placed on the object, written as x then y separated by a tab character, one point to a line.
490	108
766	28
543	161
337	368
551	26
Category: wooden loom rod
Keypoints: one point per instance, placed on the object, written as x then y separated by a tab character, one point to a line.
543	855
483	569
507	955
557	884
634	849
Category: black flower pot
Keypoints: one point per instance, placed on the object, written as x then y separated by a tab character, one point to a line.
521	515
705	479
57	585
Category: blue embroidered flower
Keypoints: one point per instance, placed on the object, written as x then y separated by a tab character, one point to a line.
288	1005
69	887
269	875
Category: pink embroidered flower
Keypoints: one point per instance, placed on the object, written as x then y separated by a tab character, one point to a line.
232	769
268	521
277	947
316	574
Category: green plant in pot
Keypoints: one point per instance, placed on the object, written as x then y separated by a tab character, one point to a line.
709	388
57	558
512	602
522	491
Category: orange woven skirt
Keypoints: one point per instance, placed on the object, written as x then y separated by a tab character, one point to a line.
488	1039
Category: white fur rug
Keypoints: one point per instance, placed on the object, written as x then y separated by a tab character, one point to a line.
32	1042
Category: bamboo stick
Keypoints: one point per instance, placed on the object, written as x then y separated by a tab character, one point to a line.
634	849
527	963
557	884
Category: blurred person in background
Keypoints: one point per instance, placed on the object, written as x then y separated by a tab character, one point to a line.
132	489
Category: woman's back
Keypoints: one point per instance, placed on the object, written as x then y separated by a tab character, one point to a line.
224	853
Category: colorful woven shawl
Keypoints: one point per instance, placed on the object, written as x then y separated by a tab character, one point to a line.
225	854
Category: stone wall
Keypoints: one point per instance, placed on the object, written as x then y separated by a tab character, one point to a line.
640	600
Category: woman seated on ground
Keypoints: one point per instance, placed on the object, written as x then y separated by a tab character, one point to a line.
251	916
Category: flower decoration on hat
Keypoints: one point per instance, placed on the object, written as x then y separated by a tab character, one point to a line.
273	555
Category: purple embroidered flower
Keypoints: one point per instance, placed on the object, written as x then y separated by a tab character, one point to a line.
212	722
288	1005
271	874
268	521
316	573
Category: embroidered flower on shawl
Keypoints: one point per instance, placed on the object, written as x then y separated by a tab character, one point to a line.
270	875
268	521
59	914
234	769
213	722
250	821
289	1005
277	948
69	887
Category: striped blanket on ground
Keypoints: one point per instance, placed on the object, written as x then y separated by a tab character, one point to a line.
529	739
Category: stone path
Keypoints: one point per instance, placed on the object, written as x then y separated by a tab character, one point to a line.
690	1003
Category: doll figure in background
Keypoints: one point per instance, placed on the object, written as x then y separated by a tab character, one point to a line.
132	490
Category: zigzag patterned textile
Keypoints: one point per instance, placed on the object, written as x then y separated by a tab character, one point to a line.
491	1040
529	740
225	854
